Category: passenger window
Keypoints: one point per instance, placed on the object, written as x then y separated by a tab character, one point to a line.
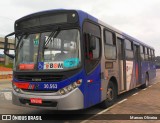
128	45
129	50
141	49
146	53
142	52
149	52
153	56
109	38
110	45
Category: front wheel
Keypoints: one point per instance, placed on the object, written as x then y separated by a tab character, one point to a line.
111	96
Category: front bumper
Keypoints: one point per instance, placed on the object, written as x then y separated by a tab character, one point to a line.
71	101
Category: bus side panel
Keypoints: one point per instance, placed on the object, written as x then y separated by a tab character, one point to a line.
152	71
92	93
130	75
145	68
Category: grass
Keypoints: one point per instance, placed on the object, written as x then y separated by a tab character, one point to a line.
10	65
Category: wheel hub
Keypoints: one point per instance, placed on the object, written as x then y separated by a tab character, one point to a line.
110	94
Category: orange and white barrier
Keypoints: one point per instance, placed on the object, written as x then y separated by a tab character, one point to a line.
5	74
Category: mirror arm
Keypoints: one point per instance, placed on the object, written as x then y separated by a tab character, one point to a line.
10	34
6	44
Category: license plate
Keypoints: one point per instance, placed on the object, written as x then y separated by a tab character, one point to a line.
36	100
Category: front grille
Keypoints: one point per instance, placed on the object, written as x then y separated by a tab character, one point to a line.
44	103
39	78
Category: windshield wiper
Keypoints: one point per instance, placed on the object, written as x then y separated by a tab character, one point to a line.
52	35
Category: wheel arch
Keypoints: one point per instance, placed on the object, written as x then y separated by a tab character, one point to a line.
147	73
114	80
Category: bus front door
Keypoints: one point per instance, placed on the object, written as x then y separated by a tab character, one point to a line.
92	45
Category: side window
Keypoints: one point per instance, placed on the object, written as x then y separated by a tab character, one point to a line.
146	53
129	50
92	45
149	52
153	55
142	52
129	45
96	50
110	45
109	38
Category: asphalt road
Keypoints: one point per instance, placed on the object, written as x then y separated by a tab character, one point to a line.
136	101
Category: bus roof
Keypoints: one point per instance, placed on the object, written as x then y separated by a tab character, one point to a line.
83	14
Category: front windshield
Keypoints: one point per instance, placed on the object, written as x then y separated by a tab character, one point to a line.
58	50
27	51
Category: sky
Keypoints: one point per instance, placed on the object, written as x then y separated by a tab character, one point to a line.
138	18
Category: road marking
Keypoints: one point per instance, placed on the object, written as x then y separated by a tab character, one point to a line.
145	89
122	101
101	112
6	94
6	90
113	106
134	94
107	109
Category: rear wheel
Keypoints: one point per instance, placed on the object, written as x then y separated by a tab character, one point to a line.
111	96
146	82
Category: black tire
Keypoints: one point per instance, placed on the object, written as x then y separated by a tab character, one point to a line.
111	96
146	82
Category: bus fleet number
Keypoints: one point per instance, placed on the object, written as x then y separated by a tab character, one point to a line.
50	86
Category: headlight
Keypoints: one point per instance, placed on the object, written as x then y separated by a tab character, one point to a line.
16	88
70	87
74	85
62	91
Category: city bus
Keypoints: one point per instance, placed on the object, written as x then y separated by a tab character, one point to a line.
70	60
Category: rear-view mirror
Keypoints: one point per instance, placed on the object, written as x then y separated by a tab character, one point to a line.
6	46
92	43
